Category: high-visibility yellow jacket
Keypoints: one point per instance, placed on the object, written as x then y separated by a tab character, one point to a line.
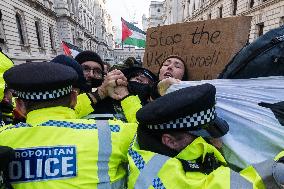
54	150
83	106
5	64
152	170
130	106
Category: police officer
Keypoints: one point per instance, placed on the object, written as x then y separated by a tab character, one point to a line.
6	106
53	149
172	149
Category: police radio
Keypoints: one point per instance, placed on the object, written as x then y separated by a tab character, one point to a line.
7	154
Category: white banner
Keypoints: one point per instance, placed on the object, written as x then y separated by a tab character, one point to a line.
256	133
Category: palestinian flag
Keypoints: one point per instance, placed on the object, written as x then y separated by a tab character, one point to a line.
70	50
132	35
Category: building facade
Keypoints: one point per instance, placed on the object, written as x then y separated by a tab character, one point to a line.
266	14
32	30
29	30
156	13
121	54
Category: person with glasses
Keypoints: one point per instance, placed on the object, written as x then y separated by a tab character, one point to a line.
93	67
101	88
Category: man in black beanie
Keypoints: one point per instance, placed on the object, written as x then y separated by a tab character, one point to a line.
93	67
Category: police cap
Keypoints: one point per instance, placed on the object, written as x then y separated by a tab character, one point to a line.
68	61
190	109
40	81
134	71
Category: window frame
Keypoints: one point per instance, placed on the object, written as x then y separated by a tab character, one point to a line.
20	22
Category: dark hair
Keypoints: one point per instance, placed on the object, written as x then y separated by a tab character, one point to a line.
34	105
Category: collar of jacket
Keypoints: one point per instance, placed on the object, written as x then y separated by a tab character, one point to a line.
199	147
39	116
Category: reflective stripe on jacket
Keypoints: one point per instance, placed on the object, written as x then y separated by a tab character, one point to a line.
54	150
152	170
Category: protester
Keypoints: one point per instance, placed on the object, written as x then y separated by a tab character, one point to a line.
172	70
171	149
173	67
93	67
53	148
139	82
99	85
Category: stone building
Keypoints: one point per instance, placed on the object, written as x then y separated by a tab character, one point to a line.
155	15
32	30
266	14
29	30
121	54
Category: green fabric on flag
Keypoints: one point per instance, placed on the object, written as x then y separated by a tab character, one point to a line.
135	42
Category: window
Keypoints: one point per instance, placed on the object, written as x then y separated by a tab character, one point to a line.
51	37
158	10
281	22
2	37
20	29
39	33
260	28
251	3
221	12
235	6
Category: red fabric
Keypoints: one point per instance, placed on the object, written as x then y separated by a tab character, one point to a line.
126	32
66	49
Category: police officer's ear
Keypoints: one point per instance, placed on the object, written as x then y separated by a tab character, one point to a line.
73	96
170	141
21	107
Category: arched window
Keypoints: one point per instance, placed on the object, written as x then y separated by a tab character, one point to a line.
158	10
2	37
39	33
235	6
20	28
221	11
51	37
251	3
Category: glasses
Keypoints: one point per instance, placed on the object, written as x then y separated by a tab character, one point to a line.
96	71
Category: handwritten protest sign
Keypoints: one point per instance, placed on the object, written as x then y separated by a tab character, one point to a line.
206	46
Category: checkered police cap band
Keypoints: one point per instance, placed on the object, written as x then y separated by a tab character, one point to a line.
44	95
192	121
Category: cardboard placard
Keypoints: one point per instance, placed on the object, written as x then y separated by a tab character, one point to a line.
206	46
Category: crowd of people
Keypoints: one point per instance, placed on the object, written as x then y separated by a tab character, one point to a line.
80	123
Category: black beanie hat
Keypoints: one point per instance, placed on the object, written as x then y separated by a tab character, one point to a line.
89	56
